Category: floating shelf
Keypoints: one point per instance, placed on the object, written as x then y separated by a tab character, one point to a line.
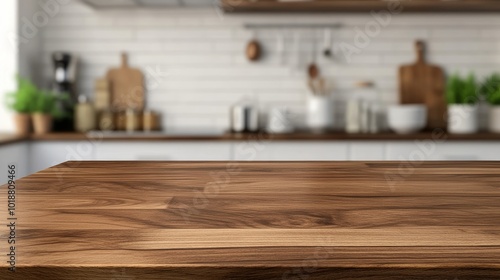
154	4
292	26
290	6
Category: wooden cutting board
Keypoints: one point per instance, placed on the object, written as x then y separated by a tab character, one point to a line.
422	83
126	86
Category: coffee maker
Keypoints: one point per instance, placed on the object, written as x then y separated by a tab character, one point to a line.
64	83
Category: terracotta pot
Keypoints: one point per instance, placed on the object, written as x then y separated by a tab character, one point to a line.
22	123
42	123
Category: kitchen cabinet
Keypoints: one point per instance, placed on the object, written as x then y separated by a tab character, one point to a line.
183	151
14	154
430	150
408	151
360	150
241	6
46	154
290	151
464	151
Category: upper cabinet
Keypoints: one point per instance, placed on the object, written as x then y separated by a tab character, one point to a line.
289	6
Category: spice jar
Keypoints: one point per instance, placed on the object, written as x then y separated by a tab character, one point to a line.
120	121
133	121
84	115
150	121
106	121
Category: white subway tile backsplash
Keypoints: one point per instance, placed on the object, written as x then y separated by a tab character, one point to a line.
466	59
456	33
201	54
173	60
89	34
101	46
184	33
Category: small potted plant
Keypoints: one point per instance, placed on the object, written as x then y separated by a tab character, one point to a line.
44	111
21	102
462	96
491	90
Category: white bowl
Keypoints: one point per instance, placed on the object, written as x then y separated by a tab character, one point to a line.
406	119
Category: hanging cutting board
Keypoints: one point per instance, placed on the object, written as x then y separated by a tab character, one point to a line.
126	87
422	83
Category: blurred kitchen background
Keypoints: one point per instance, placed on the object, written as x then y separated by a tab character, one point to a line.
324	77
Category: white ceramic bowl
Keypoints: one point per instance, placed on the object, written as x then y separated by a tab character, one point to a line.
406	119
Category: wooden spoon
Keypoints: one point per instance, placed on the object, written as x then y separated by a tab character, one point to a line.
313	69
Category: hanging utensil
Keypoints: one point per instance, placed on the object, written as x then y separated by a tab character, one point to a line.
327	48
312	86
280	47
254	49
313	69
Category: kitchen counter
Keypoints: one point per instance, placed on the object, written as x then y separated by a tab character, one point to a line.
6	139
299	136
258	220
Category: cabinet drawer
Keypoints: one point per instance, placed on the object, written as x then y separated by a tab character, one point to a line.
290	151
164	151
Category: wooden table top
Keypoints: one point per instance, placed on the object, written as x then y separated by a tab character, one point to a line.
257	220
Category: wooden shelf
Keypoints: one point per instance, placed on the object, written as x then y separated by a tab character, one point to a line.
6	139
147	4
246	6
298	136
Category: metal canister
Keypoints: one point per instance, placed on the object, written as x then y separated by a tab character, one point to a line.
244	118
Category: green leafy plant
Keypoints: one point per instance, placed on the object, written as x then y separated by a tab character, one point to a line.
491	89
29	99
45	103
21	101
462	90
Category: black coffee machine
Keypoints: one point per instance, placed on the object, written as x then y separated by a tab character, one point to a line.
64	83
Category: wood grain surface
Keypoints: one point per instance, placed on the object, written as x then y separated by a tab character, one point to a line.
258	220
423	83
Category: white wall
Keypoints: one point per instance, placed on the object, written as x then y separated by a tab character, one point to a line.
8	58
201	53
21	24
32	19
